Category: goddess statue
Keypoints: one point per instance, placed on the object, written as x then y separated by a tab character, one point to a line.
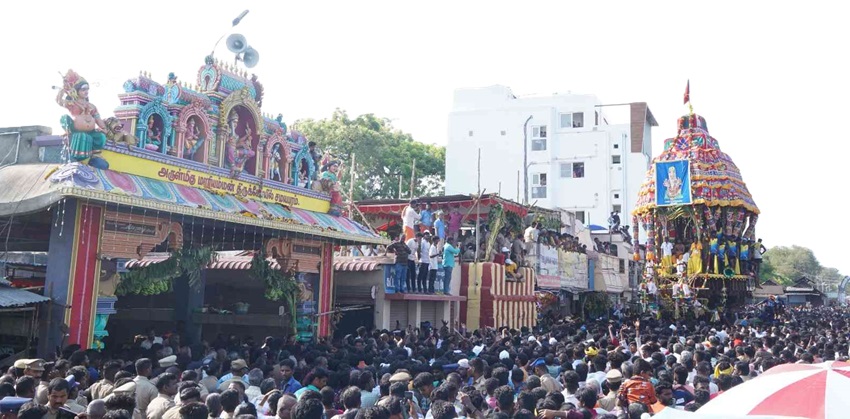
154	135
238	147
84	140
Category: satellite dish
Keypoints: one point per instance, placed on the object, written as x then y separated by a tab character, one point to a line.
237	43
250	57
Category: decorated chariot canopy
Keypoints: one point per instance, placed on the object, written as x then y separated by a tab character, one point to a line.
707	176
695	199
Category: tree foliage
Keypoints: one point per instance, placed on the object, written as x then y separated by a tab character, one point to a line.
788	264
383	155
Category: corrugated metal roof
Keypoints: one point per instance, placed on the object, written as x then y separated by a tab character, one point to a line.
13	297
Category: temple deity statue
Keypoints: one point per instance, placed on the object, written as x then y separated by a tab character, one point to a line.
154	135
84	140
238	147
192	139
329	181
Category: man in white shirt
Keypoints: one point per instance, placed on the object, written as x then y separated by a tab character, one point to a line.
409	217
424	264
414	246
666	256
531	233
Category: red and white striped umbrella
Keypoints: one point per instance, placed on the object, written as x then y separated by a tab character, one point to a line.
816	391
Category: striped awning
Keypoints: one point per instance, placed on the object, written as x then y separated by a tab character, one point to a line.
241	261
357	265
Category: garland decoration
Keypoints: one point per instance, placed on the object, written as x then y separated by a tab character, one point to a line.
497	220
280	285
157	278
596	304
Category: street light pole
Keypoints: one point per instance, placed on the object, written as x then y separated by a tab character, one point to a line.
525	159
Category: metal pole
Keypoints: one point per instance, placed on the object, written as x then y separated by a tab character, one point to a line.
412	178
525	159
517	186
478	211
351	187
399	185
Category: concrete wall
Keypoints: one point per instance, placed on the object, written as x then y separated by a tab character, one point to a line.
24	151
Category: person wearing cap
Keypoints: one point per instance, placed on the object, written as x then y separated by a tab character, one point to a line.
34	368
614	379
145	390
10	405
238	371
546	381
19	366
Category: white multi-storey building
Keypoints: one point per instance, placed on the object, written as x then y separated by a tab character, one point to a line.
557	151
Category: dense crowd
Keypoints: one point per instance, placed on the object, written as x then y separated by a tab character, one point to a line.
576	369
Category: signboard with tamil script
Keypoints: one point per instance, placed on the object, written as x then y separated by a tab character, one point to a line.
139	166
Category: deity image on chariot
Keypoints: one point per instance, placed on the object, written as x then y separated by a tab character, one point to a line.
673	185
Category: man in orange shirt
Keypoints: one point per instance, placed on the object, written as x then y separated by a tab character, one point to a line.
639	388
664	393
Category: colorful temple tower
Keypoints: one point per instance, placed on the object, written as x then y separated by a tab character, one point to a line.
696	201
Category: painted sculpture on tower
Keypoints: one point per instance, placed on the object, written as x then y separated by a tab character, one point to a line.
154	135
84	140
238	146
192	140
329	183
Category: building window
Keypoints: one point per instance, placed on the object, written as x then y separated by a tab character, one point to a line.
538	144
572	170
580	216
470	133
538	131
572	120
617	208
538	138
578	119
595	117
615	159
616	146
622	266
616	196
503	133
538	186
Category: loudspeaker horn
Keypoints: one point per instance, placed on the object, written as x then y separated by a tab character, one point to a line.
250	57
237	43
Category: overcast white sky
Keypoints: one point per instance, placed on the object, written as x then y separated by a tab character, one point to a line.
771	78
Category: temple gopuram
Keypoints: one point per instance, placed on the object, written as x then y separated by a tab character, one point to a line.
190	206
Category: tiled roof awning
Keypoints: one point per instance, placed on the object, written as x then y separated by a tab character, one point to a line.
36	187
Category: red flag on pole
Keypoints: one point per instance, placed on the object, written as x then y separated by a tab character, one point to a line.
688	92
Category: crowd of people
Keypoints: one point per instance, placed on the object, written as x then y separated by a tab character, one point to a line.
619	368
